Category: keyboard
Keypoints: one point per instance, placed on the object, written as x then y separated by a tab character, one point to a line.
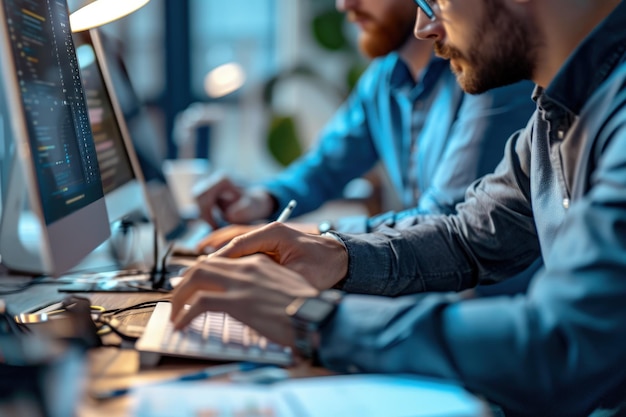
211	336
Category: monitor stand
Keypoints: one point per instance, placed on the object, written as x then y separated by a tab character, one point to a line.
20	233
157	279
123	281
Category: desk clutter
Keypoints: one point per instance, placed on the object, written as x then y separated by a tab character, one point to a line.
41	375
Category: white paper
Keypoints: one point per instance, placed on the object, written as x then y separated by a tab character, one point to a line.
350	395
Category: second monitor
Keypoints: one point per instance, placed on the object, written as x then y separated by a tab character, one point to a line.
122	180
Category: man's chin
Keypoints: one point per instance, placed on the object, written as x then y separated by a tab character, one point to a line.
470	86
374	49
465	81
456	67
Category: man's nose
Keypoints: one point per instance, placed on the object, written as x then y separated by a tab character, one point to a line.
427	29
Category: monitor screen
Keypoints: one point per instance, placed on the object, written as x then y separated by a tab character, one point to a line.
65	158
143	133
52	135
144	136
115	167
122	188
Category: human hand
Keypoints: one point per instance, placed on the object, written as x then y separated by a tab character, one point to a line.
254	290
310	228
218	238
323	261
236	204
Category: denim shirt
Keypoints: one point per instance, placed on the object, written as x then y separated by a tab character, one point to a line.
459	138
560	350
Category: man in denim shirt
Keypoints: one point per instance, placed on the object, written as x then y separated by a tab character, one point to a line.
560	191
407	112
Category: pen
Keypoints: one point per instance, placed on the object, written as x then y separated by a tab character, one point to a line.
206	373
284	215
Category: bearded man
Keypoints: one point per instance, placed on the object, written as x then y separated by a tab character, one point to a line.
560	191
407	113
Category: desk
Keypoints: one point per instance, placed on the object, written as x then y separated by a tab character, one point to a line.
110	368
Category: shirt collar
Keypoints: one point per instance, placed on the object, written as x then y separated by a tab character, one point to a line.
590	64
402	79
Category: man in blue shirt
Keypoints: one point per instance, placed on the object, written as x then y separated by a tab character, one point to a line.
406	112
558	350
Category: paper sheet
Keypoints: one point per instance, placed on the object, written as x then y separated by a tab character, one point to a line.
362	395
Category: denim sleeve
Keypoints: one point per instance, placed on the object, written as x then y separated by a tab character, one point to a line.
454	252
344	150
475	147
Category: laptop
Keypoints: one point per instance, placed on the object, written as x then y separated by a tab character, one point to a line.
175	227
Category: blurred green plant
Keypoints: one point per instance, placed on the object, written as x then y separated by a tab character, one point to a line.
282	139
327	30
327	27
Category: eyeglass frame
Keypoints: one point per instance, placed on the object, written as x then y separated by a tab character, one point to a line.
426	8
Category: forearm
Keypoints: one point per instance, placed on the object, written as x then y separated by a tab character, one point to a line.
443	253
480	344
557	351
343	152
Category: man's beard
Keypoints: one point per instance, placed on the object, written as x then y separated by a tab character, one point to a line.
503	51
387	34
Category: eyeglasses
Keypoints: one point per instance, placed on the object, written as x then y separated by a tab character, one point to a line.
427	7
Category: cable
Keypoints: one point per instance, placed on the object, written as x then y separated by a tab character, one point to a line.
105	322
105	318
20	288
145	304
162	283
155	250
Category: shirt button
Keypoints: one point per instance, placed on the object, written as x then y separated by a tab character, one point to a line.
560	134
566	203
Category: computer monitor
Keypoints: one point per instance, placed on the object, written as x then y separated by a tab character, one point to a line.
142	133
55	159
122	180
141	128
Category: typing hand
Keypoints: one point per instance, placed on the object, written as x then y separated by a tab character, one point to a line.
254	290
218	194
323	261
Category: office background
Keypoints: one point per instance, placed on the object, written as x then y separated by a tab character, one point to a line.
169	47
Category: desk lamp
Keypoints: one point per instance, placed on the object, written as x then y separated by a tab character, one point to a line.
87	14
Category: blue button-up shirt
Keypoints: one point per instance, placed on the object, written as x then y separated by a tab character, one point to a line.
458	139
559	191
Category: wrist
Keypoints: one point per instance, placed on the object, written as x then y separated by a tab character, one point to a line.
324	227
308	315
340	265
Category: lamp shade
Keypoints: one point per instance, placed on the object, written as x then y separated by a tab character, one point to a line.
87	14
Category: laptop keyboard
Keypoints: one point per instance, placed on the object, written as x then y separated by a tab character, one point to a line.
212	336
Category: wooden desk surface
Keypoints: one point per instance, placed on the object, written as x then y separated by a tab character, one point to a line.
109	367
